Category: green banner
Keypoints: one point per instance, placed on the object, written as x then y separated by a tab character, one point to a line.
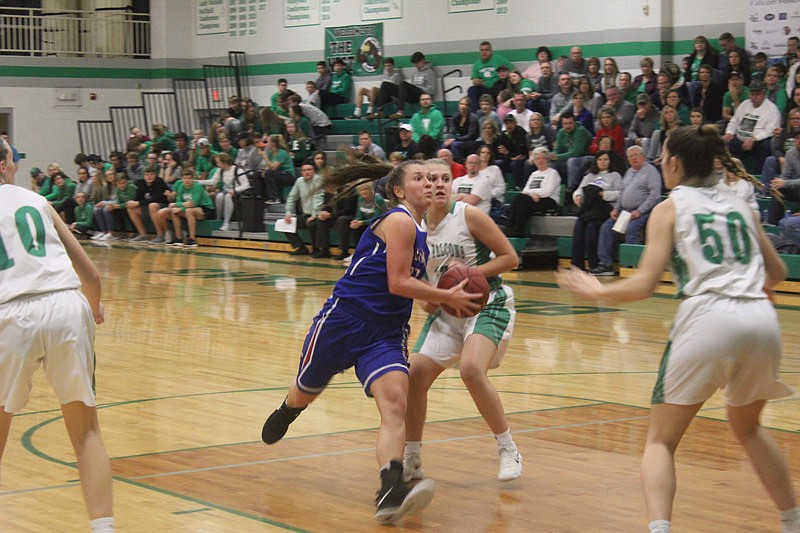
360	46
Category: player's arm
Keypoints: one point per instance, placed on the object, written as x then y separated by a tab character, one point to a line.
643	282
775	267
398	231
87	272
483	228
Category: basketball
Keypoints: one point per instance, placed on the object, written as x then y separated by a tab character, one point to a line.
477	283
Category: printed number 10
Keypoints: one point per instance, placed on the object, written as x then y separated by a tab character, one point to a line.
33	242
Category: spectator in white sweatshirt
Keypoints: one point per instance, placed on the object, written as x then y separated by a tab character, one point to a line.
749	131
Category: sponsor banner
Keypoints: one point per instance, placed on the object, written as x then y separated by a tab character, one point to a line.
769	24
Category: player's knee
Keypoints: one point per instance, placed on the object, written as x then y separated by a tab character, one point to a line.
744	432
395	403
472	373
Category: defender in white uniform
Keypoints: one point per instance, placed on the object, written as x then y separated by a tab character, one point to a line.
461	233
46	320
726	332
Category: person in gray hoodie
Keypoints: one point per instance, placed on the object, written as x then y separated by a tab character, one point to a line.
423	81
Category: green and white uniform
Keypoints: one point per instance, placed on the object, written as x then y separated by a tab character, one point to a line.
44	317
726	332
443	335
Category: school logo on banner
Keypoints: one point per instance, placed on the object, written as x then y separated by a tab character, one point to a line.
360	46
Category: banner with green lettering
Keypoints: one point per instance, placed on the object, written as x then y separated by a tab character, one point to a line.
360	46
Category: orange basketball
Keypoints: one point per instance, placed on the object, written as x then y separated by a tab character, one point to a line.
477	283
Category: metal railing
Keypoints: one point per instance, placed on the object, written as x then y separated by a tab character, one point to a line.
96	137
191	97
123	118
192	103
106	32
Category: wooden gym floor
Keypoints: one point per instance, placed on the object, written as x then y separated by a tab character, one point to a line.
199	347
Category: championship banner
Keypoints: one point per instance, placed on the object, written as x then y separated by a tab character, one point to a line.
210	17
464	6
769	24
381	9
360	46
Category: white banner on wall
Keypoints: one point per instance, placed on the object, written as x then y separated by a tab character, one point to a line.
211	17
327	8
769	24
301	13
381	9
462	6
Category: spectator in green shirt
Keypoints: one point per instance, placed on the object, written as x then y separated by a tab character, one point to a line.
341	86
63	189
280	168
204	158
192	203
283	88
163	135
428	120
84	215
484	73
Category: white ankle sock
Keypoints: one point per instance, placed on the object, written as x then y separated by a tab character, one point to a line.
370	110
660	526
790	520
357	111
413	447
504	439
102	525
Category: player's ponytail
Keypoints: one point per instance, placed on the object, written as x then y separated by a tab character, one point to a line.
697	146
366	169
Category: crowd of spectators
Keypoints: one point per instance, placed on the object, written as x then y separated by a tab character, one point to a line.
569	134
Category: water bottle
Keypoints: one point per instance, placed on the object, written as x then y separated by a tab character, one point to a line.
765	216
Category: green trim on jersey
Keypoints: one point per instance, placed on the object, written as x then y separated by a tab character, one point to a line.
658	389
493	320
425	330
681	272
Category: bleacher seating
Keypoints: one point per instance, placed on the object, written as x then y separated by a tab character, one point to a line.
344	132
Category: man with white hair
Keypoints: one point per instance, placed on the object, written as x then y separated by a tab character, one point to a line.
641	190
456	169
576	64
474	188
753	125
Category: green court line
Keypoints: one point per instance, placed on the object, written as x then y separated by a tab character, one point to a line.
202	509
27	442
28	445
211	505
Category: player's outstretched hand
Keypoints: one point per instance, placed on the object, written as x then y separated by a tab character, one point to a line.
579	283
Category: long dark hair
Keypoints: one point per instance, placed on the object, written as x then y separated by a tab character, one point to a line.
697	146
594	169
366	169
